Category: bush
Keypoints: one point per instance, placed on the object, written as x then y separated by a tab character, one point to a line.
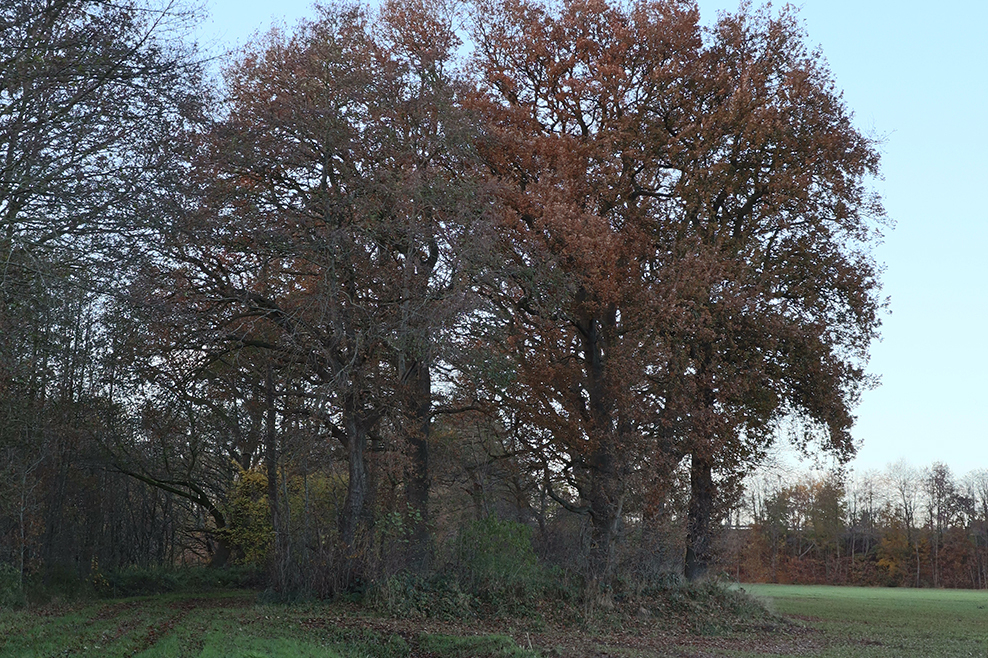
408	595
11	592
481	646
140	581
496	554
250	530
707	607
496	562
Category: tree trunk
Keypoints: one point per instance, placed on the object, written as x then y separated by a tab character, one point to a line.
354	512
221	552
271	466
418	419
699	518
606	495
606	498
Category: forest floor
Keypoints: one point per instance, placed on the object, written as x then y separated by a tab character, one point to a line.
806	621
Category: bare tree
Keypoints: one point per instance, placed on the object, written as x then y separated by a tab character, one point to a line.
905	482
91	95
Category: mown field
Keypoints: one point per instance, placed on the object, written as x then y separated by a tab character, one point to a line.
894	622
225	625
807	621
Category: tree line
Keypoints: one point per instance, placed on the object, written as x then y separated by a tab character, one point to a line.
570	266
903	527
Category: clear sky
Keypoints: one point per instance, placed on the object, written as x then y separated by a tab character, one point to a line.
914	74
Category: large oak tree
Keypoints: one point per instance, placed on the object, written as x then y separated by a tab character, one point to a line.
686	227
325	238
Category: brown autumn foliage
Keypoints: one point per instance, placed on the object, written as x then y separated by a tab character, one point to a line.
685	225
820	530
612	250
565	98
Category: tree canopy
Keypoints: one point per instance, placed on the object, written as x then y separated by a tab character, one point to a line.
574	265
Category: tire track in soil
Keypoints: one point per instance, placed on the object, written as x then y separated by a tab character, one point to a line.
185	607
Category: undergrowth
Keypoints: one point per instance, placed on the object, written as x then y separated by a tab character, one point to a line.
490	572
137	581
707	608
488	646
62	584
494	573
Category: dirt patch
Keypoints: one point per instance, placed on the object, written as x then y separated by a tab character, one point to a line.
158	631
120	630
113	610
54	610
217	603
805	618
783	639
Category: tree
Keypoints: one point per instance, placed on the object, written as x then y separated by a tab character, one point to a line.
566	96
687	227
91	93
941	508
905	482
772	180
334	198
977	489
827	515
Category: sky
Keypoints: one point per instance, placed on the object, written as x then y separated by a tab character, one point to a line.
915	76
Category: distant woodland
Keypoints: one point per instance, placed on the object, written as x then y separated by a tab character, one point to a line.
903	527
483	289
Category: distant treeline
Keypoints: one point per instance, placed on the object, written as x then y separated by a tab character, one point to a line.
904	527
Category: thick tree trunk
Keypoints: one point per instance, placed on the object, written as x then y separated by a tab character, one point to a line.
418	419
606	495
699	518
221	552
223	549
358	483
606	499
414	366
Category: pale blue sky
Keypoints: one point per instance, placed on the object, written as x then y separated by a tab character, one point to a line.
916	75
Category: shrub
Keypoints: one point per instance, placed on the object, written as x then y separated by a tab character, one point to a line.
11	592
408	595
250	529
704	607
138	581
496	562
496	554
141	581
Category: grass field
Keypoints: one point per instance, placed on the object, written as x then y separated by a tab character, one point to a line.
226	625
872	622
830	622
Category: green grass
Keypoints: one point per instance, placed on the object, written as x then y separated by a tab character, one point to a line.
892	622
223	625
486	646
829	622
220	625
